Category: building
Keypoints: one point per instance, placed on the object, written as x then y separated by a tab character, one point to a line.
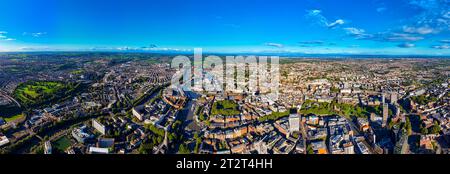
385	114
80	134
3	140
348	148
363	124
394	98
313	120
105	142
294	123
2	122
47	147
362	148
97	150
319	147
138	112
98	126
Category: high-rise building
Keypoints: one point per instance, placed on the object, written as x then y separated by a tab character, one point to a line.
294	123
47	147
394	98
385	114
138	112
98	126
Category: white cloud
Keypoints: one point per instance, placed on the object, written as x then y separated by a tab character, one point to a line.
37	34
274	45
4	37
336	23
146	48
314	42
398	37
36	48
358	33
2	34
434	14
381	9
406	45
442	47
315	12
354	31
322	20
419	30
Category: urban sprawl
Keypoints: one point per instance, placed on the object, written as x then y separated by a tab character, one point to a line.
124	103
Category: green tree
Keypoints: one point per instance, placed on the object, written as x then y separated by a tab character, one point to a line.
309	150
435	129
198	142
408	126
183	149
423	130
145	148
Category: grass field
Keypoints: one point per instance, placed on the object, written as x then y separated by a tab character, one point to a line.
13	118
62	143
77	72
225	107
36	92
37	89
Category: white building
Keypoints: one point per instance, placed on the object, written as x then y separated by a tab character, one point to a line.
47	147
3	140
294	123
385	114
138	114
98	126
97	150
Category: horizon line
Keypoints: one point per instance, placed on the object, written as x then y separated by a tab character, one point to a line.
295	55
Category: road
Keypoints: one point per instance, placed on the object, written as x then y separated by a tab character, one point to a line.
357	133
4	94
165	143
304	136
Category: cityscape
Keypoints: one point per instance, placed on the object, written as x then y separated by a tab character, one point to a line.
307	77
123	103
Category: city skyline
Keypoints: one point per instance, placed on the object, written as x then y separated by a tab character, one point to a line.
405	27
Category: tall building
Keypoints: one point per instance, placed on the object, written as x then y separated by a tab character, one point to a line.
47	147
397	111
138	112
98	126
394	98
385	114
294	123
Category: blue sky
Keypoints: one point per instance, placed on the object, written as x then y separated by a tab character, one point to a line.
396	27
